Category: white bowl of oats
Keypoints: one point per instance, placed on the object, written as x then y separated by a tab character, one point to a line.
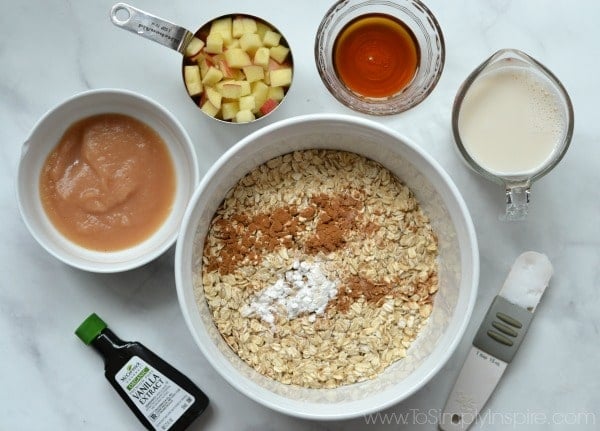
327	267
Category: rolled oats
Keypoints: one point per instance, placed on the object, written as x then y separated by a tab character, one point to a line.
362	226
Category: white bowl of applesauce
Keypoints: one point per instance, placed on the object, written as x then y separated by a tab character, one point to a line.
104	179
327	266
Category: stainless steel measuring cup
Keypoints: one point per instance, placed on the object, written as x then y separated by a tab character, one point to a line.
521	118
178	38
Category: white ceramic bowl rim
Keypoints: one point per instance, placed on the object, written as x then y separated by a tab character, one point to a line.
55	121
354	408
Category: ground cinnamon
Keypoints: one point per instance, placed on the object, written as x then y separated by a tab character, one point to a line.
246	239
355	287
338	215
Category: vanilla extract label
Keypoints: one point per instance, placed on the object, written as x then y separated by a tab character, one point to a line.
159	399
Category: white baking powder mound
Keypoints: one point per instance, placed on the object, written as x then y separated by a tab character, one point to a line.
302	289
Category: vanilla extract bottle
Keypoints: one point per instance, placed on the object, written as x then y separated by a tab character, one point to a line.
161	397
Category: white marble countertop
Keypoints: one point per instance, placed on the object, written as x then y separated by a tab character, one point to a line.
53	49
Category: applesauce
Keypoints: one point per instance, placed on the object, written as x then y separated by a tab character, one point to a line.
109	183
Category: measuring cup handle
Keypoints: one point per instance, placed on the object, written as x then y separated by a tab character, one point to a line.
517	200
150	27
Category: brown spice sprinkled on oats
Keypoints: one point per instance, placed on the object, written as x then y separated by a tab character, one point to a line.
337	217
351	221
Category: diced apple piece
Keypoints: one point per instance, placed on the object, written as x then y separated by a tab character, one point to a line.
238	75
213	75
273	65
280	77
275	93
250	42
214	44
250	25
229	109
242	25
271	38
237	57
247	102
227	71
209	109
194	47
235	43
244	85
259	87
214	97
261	29
244	116
246	89
191	73
193	82
279	53
198	57
261	57
260	91
231	91
204	66
254	73
238	27
268	106
220	84
223	27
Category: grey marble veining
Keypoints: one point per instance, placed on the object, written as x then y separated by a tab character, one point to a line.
54	49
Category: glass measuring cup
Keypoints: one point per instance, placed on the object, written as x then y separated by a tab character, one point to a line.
512	121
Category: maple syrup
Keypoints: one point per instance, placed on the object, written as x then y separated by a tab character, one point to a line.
376	55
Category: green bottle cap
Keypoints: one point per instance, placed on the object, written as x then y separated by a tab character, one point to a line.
90	328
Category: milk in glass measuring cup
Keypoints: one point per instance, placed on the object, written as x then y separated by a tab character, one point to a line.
512	121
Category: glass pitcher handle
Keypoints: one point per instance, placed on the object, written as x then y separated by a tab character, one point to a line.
517	200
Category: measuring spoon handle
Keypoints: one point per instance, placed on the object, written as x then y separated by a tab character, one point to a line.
150	27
